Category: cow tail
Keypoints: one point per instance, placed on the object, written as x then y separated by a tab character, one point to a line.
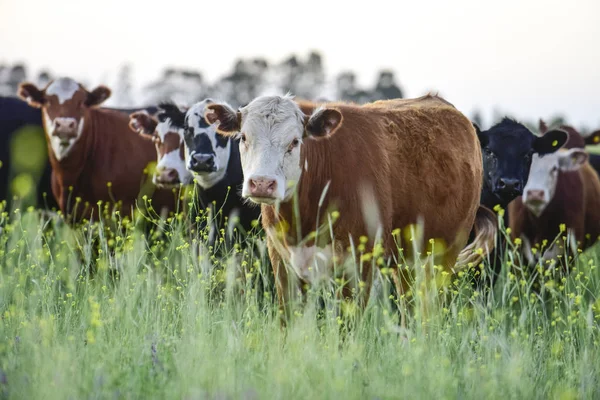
485	229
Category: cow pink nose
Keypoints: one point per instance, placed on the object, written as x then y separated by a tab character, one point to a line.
65	128
262	187
535	195
168	175
69	125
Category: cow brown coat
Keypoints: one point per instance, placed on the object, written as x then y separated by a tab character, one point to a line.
420	157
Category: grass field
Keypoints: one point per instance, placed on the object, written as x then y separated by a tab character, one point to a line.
175	323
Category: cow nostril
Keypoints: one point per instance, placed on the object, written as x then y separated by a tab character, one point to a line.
501	184
72	124
172	174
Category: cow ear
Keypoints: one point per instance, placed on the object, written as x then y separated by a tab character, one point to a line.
229	121
593	138
141	122
323	122
97	96
483	140
542	127
31	94
572	159
550	141
170	110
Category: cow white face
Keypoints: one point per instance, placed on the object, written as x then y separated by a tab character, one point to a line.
543	176
206	151
168	139
65	104
271	130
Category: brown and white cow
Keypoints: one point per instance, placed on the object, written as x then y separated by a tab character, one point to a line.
171	168
562	189
382	166
93	153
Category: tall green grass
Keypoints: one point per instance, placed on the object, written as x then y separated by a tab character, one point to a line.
119	312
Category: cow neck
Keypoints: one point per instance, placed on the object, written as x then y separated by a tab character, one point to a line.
316	172
489	199
219	191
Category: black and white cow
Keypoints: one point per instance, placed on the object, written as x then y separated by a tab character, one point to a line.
214	162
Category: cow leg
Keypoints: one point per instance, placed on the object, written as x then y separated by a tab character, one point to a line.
400	291
282	285
527	251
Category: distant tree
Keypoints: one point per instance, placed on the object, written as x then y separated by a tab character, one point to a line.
557	120
346	86
497	116
17	74
4	88
311	78
386	87
243	84
476	118
181	86
348	91
290	71
122	96
43	78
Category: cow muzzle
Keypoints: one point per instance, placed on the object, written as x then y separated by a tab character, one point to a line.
65	129
167	177
262	189
508	186
200	163
535	201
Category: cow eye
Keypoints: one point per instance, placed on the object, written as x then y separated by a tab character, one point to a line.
243	138
293	145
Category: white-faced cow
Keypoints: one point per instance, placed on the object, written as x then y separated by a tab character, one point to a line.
170	162
214	161
382	166
93	153
562	189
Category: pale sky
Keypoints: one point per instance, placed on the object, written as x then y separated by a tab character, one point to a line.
527	58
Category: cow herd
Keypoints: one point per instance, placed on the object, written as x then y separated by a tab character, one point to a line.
340	189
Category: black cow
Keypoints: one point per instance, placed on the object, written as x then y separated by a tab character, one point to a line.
507	150
16	114
214	161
